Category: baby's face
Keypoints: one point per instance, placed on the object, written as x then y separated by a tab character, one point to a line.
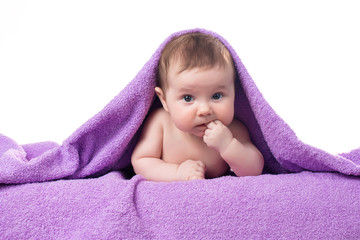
198	96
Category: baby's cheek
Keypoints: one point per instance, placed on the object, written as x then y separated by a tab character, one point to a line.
182	123
227	119
228	116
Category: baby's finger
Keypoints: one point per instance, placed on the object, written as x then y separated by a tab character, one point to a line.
201	169
210	125
218	122
201	164
199	172
206	132
196	177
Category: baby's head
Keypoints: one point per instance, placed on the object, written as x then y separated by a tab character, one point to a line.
196	82
192	50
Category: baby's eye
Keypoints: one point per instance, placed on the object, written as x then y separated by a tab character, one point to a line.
217	96
188	98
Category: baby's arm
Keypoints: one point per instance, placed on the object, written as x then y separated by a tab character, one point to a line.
235	147
146	158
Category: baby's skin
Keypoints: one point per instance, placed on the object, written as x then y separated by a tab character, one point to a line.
195	134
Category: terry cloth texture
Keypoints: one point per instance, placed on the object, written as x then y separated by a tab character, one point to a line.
78	190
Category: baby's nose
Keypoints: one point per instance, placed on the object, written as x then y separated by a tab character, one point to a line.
204	110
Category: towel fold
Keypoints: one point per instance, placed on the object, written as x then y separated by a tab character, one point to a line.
105	141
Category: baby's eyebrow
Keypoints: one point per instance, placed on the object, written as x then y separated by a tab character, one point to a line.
185	89
221	87
216	88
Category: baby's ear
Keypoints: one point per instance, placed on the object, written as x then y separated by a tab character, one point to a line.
161	95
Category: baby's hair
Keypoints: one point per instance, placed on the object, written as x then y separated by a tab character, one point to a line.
193	50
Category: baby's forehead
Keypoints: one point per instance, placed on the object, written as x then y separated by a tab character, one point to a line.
180	65
202	77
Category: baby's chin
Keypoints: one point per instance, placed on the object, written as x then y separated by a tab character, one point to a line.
199	135
198	131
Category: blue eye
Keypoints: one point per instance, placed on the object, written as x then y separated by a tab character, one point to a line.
188	98
217	96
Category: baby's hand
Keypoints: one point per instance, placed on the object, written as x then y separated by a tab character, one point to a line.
217	136
190	169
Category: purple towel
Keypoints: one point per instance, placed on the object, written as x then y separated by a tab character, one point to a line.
73	191
286	206
105	142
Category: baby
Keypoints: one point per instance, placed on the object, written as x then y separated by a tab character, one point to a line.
195	134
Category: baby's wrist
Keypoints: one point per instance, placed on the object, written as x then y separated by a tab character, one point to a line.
225	145
178	174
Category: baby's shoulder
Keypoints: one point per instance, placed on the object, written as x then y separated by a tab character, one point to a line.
154	123
239	130
159	113
158	117
237	124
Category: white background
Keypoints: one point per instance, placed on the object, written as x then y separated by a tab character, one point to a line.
62	61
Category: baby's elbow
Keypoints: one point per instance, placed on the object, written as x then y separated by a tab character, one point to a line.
254	171
258	171
259	165
136	164
254	167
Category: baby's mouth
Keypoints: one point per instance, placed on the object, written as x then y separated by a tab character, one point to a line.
202	126
199	130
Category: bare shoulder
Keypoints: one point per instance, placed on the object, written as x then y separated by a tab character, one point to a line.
161	113
157	117
239	130
154	125
150	141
